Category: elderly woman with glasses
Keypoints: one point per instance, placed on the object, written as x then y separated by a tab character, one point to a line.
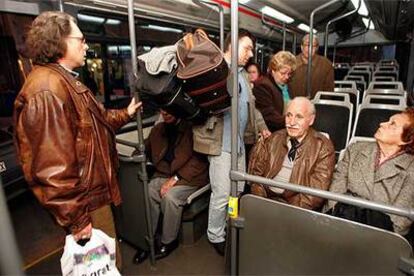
272	92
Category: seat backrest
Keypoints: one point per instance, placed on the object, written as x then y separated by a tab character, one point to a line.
385	88
359	80
388	62
353	98
389	100
383	79
362	68
346	84
370	115
361	139
353	95
281	239
393	74
386	68
334	116
366	74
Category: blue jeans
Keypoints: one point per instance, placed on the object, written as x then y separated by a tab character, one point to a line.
220	167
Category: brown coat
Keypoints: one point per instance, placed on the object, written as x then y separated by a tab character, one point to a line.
322	76
313	167
65	141
191	166
269	101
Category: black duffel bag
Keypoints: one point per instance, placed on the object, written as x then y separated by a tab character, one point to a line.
166	91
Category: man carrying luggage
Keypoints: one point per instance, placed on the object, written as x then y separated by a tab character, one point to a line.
213	138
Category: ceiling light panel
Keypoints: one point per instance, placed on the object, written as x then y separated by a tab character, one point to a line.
306	28
277	14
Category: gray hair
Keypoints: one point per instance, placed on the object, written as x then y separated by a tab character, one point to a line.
306	39
310	104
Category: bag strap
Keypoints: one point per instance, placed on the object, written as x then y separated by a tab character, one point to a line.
188	41
202	33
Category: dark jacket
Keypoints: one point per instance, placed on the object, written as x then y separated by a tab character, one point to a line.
190	166
269	101
322	76
313	167
65	141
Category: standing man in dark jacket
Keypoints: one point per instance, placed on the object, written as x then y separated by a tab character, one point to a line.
322	71
298	155
179	171
64	137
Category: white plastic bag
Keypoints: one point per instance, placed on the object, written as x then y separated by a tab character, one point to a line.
95	258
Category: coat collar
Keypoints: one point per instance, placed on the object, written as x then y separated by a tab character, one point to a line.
394	166
77	86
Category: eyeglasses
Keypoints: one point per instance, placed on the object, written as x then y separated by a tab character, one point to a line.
286	73
307	45
81	38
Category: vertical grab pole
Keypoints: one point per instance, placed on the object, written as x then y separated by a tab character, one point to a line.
294	44
234	120
61	9
310	48
141	146
221	14
10	263
207	4
334	20
284	37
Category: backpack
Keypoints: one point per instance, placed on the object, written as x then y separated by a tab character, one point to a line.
166	91
204	72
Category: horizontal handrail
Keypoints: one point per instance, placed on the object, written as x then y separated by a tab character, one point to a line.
240	176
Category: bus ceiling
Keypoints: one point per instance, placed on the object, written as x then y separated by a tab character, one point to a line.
394	18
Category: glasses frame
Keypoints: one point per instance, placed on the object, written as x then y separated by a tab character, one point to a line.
82	39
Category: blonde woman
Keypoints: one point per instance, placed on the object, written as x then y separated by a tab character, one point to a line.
272	92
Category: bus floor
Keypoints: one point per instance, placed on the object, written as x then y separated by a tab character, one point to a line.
197	259
40	242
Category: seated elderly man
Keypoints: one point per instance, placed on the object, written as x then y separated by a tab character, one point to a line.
179	171
381	171
298	155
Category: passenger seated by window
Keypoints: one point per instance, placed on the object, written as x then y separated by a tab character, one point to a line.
271	91
380	171
179	171
298	155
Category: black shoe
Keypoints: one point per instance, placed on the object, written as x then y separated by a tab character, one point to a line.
220	247
140	256
165	249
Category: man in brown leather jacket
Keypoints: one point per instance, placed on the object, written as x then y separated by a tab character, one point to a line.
64	137
297	154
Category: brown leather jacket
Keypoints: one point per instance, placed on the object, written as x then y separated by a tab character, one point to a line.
65	141
313	167
191	166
